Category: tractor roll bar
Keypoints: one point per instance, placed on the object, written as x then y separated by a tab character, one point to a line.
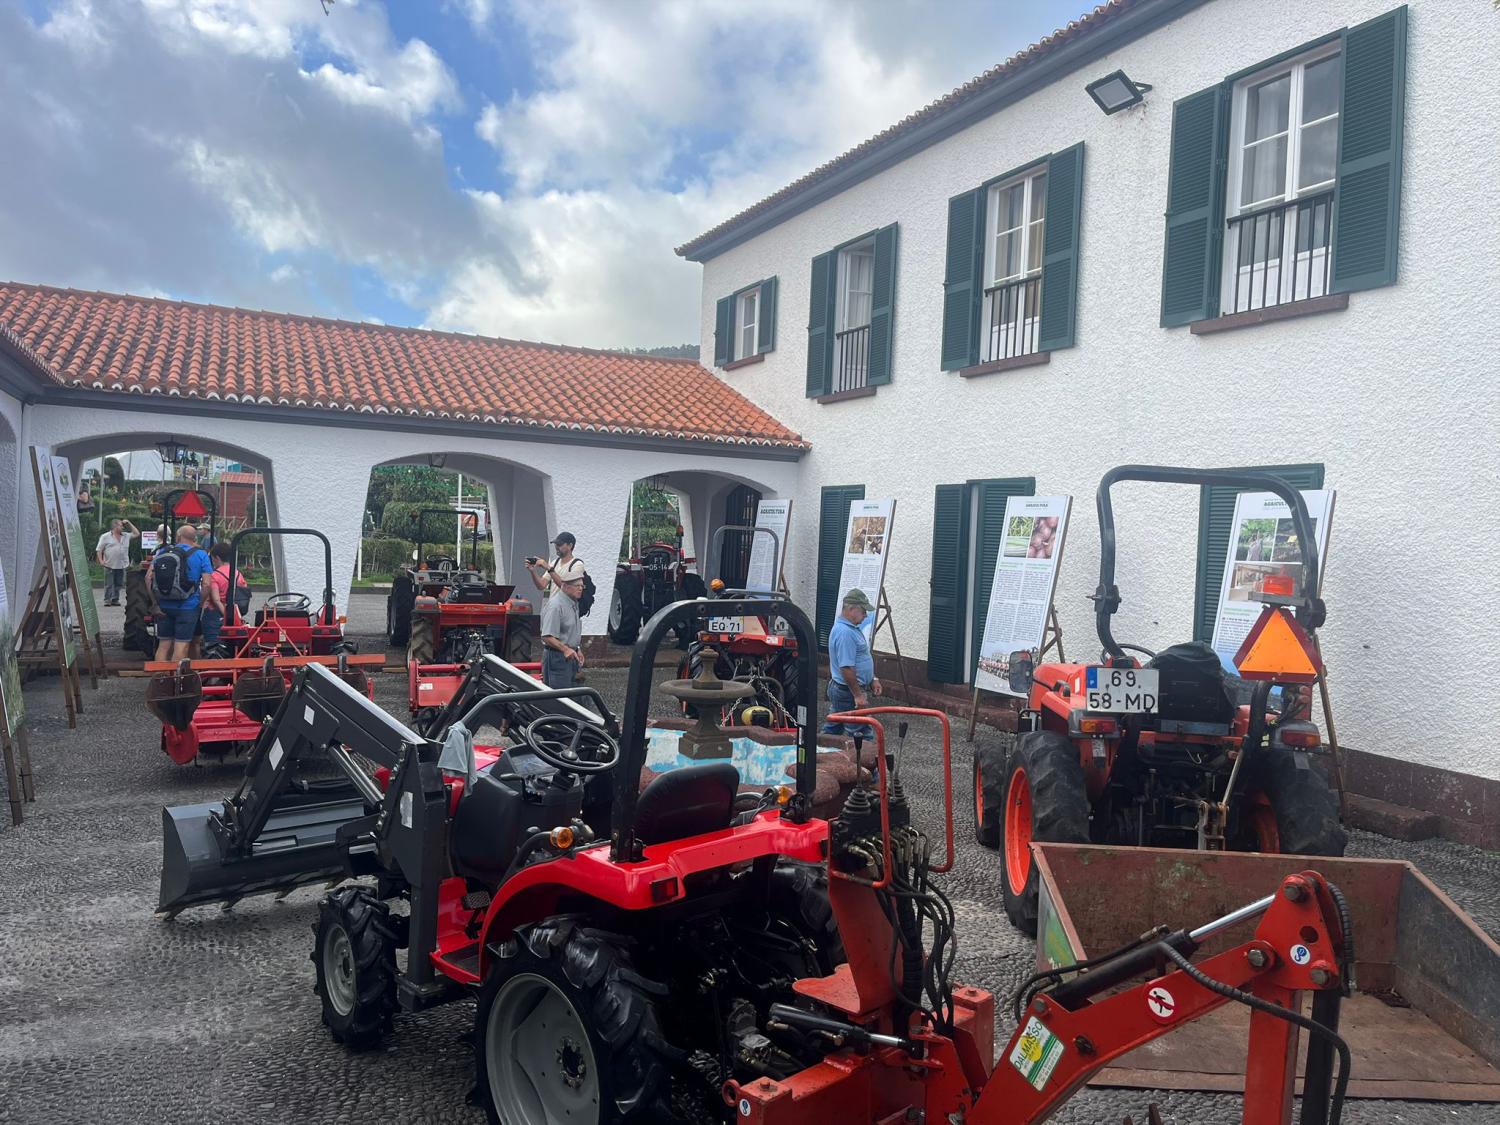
328	615
624	847
169	511
754	530
1106	598
471	515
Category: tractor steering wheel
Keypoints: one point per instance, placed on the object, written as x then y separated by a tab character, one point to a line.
288	603
572	745
1150	653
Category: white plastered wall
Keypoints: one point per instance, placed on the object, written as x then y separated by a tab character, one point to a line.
11	482
317	476
1396	395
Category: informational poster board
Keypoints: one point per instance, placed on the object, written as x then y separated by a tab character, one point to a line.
150	540
78	555
54	551
1262	543
12	705
1015	618
766	559
867	543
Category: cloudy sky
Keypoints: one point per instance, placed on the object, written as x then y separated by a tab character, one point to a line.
510	167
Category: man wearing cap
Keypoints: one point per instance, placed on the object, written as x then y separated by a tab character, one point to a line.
562	633
851	666
565	565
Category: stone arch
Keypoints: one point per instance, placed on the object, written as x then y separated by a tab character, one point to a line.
13	480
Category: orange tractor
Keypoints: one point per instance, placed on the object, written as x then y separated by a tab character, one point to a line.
1169	751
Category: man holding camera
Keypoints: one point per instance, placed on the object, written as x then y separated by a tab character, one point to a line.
565	565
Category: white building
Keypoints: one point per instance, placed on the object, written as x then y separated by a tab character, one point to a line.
995	302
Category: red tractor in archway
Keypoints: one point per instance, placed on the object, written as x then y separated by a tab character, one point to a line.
654	577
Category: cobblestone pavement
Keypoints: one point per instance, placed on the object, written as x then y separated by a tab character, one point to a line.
113	1015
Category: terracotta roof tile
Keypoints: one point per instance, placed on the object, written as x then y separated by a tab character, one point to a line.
145	345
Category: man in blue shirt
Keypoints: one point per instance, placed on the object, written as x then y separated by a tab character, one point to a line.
851	666
181	623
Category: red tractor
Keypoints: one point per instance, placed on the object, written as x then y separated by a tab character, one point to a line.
662	955
650	580
448	615
215	705
1169	752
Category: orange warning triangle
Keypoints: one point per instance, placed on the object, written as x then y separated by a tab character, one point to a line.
189	507
1277	648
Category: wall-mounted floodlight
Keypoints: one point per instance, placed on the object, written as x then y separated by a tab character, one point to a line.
437	460
1116	91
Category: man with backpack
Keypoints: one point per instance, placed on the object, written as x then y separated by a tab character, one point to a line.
179	577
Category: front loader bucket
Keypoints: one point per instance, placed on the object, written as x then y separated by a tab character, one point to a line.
297	846
174	696
258	694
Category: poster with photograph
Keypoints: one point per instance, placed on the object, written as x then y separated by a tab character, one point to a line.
12	704
54	552
766	560
1262	543
867	541
1015	618
78	556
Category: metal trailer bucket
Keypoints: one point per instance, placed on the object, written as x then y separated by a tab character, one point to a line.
297	846
174	696
1424	1022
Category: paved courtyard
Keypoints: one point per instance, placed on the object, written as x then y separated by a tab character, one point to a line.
113	1015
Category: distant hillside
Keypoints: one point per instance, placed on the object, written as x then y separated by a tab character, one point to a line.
671	351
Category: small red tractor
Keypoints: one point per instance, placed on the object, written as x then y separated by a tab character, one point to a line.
1172	752
448	615
665	955
216	705
650	580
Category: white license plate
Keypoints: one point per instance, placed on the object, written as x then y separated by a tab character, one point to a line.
726	624
1123	691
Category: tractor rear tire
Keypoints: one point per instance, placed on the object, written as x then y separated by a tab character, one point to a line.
1303	806
520	635
625	609
1045	799
398	610
355	956
137	632
990	760
420	645
799	896
567	1029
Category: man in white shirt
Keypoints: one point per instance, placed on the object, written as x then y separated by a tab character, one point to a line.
113	553
564	567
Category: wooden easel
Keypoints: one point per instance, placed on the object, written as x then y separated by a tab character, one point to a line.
19	784
1335	751
883	620
41	641
1051	638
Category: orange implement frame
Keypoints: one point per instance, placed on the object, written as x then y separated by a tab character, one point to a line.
255	664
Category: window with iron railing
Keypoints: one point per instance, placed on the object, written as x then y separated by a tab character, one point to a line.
1282	171
851	342
1014	226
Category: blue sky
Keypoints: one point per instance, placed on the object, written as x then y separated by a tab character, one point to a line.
510	167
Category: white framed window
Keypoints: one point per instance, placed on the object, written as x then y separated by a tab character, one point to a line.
1283	164
747	322
1015	222
856	288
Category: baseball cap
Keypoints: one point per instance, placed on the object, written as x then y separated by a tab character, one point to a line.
565	537
856	597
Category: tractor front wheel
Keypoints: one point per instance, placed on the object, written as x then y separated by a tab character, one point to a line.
1292	808
421	645
625	609
355	956
1045	800
398	605
990	761
520	634
565	1031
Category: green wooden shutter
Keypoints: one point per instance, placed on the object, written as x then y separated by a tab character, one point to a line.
989	538
724	331
882	306
820	324
833	522
767	313
1060	250
1367	198
1215	523
949	582
1195	207
962	284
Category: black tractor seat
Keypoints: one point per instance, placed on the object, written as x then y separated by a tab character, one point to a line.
1194	685
687	802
